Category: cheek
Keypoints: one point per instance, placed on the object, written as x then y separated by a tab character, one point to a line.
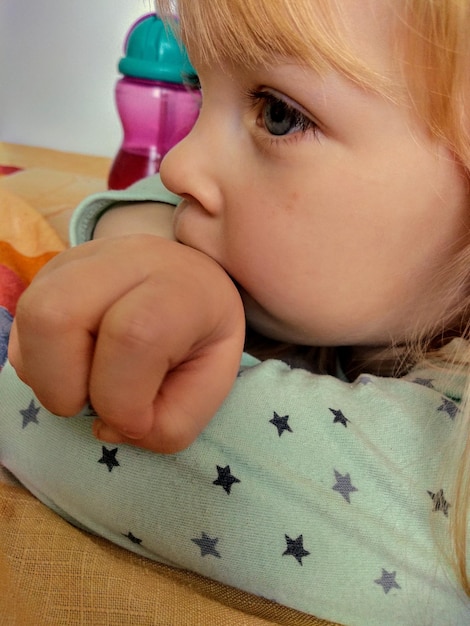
284	239
275	263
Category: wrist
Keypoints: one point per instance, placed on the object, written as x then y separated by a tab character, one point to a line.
144	217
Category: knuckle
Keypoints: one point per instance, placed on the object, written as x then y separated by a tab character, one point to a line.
63	407
174	435
132	331
45	314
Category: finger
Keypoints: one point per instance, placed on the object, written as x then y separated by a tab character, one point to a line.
108	434
175	413
140	339
57	321
184	405
53	360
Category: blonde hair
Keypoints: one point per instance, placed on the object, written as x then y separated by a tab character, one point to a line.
433	58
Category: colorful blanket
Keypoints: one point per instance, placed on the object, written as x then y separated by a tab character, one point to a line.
27	242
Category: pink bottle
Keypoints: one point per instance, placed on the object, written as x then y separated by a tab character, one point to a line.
156	106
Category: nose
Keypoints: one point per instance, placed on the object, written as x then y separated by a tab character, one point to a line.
191	168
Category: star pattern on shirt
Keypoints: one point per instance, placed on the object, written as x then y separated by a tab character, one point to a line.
449	407
424	382
439	502
295	548
281	423
207	545
30	415
387	581
339	417
109	458
344	486
90	411
225	478
132	538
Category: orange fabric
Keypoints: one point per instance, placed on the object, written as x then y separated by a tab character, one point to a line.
27	242
24	228
25	267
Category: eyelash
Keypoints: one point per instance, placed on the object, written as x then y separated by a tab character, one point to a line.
259	98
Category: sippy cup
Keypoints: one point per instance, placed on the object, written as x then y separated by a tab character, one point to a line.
156	104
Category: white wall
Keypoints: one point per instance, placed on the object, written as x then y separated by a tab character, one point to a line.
58	67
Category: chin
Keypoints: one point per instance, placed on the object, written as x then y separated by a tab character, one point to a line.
264	323
288	331
275	329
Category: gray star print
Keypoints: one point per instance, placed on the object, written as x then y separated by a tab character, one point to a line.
449	407
425	382
339	417
387	581
344	486
90	411
109	458
281	423
133	538
226	478
30	415
439	502
207	545
295	548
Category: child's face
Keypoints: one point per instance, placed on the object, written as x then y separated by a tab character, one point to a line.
329	206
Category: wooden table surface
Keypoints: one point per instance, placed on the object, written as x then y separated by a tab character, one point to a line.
18	155
51	181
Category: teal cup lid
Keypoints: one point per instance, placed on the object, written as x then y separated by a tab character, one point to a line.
152	52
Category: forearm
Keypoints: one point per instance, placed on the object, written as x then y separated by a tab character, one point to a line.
143	217
145	207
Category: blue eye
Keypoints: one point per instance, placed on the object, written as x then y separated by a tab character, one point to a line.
279	117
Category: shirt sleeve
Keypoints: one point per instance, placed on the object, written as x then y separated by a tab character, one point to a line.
88	212
304	489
